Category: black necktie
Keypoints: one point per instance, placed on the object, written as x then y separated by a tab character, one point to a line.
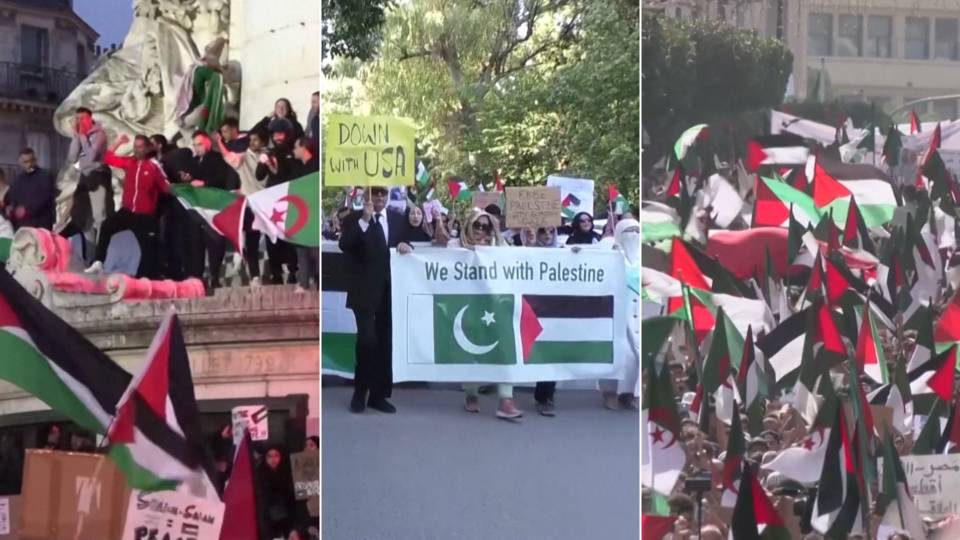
377	218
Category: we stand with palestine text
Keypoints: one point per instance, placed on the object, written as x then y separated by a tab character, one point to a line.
521	271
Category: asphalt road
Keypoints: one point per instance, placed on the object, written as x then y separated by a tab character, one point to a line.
433	471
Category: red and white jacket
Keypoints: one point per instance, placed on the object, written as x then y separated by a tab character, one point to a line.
143	182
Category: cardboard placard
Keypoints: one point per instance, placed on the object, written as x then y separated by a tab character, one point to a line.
70	494
252	417
533	207
932	480
306	479
483	199
169	514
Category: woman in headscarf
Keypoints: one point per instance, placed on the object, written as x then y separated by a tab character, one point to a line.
417	230
276	481
623	393
583	232
481	229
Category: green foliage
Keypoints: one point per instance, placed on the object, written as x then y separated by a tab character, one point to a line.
351	28
704	71
530	87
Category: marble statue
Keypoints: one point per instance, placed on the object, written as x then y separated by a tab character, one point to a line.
158	81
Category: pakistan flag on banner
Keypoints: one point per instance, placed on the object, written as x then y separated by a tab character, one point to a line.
473	329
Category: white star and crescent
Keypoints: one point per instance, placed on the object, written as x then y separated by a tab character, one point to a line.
463	342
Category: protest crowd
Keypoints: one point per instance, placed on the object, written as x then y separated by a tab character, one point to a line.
800	337
166	236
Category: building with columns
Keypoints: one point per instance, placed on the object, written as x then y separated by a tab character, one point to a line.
45	50
888	52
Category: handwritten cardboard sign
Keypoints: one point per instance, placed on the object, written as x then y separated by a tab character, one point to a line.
369	151
932	480
169	514
306	479
252	417
533	207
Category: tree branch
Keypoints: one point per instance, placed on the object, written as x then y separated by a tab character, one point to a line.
419	53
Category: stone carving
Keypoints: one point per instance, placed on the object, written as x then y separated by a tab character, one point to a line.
136	88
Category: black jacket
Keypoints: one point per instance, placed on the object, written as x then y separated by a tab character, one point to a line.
213	170
299	168
37	193
286	165
369	259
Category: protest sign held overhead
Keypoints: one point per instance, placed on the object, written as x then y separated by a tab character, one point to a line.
576	195
533	207
369	151
254	419
168	514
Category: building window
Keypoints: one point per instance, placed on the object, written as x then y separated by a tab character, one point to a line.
820	34
917	42
850	38
945	39
879	33
33	46
945	109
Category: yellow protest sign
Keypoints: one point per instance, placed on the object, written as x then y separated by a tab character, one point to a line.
369	151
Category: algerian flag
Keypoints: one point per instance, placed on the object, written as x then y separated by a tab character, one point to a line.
6	239
661	455
482	329
221	209
289	211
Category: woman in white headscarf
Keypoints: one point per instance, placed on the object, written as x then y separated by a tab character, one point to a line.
623	393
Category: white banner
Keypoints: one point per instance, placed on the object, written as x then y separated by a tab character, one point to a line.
512	315
169	514
576	195
932	480
252	417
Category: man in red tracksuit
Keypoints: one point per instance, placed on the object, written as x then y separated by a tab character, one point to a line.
144	181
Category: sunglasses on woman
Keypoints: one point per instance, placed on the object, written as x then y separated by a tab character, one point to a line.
480	226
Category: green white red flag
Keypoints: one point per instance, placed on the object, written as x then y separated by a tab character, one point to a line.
289	211
222	210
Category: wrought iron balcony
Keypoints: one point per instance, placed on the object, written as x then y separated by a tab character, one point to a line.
34	83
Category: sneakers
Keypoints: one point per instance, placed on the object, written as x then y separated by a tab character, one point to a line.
471	404
628	402
508	410
382	405
610	401
95	268
546	408
255	282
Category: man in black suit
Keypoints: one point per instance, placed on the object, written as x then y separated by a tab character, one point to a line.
366	241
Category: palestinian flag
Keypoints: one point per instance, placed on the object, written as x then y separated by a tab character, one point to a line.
658	222
947	331
777	201
894	500
656	527
155	438
836	508
687	139
242	518
836	184
754	516
569	205
289	211
752	385
776	151
869	140
482	329
783	347
855	233
662	456
951	432
804	462
422	176
935	377
498	184
655	339
222	210
869	352
733	463
616	200
930	438
914	123
892	147
459	190
726	350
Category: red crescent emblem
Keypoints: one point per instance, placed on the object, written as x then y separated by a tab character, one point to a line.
303	213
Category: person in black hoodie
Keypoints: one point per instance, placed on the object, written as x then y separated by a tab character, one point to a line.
280	166
582	230
208	169
276	481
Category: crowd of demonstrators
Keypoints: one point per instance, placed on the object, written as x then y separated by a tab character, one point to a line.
173	244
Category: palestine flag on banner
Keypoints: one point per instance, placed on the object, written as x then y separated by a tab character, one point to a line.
155	438
776	151
222	210
661	455
754	516
481	328
289	211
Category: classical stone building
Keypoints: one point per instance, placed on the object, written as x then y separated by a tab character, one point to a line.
888	52
45	50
